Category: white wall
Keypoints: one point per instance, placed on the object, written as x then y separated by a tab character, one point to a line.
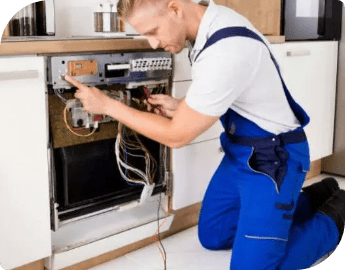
75	18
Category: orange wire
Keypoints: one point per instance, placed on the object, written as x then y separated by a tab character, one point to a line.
69	128
155	237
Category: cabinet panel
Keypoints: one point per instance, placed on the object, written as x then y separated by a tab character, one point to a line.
265	15
182	67
24	184
192	168
179	89
309	70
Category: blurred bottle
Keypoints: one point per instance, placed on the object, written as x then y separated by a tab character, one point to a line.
106	19
37	19
28	21
14	25
98	18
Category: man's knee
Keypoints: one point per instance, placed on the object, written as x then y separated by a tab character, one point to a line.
210	239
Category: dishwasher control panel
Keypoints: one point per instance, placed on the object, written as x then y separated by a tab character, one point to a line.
109	69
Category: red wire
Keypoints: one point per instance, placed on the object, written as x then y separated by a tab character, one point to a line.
147	93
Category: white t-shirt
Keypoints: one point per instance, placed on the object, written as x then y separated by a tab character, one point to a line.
237	73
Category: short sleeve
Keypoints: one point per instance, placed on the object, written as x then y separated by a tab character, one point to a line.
220	75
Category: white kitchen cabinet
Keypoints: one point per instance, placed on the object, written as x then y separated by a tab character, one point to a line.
182	68
193	166
310	71
24	184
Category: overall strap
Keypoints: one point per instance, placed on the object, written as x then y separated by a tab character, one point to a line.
245	32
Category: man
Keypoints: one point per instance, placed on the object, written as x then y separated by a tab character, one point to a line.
253	203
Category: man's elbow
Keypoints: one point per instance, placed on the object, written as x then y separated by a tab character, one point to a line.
175	144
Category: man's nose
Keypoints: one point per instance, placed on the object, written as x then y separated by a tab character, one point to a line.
154	43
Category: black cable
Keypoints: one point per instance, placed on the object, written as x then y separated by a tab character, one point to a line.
158	233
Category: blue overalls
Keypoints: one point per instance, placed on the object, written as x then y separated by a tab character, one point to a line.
254	203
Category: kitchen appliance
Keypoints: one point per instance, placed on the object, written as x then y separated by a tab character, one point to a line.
86	179
312	19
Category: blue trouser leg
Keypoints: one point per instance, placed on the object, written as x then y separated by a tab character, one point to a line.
266	236
310	241
220	209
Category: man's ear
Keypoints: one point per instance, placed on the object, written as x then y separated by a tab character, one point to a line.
175	6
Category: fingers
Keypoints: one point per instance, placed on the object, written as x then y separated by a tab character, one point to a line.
159	97
75	82
77	94
148	106
156	100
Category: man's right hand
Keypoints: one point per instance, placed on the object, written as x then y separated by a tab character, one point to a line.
167	104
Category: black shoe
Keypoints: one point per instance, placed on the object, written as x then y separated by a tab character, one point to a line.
334	207
320	192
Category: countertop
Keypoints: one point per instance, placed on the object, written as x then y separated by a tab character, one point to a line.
53	45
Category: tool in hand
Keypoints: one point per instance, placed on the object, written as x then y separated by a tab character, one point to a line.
148	95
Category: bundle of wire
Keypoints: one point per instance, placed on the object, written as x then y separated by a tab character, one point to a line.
123	148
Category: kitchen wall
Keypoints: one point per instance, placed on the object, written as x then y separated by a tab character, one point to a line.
75	18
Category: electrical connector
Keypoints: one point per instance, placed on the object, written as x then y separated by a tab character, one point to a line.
146	193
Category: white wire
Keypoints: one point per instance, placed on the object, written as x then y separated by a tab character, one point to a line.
121	164
147	176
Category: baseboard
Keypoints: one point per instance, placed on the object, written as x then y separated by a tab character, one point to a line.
315	169
68	259
38	265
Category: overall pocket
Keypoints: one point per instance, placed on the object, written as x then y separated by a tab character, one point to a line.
270	160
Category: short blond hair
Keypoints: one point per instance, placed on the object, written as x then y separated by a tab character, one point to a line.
125	7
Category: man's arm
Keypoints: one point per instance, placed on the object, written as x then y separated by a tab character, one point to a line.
176	132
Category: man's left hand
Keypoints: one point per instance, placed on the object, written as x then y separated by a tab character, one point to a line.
93	100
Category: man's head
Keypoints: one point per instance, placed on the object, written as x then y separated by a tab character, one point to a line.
167	24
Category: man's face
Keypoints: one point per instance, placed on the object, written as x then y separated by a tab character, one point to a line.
163	27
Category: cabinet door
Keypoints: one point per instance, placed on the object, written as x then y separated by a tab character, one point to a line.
192	169
263	14
310	70
24	184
